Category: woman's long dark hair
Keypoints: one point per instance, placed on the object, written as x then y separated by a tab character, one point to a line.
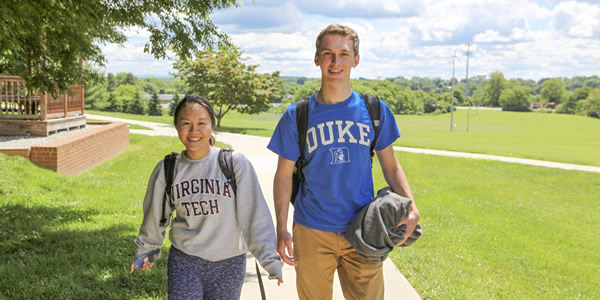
195	99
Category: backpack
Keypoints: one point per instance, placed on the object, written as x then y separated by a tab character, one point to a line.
226	165
373	106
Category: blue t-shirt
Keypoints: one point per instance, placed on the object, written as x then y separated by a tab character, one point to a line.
337	171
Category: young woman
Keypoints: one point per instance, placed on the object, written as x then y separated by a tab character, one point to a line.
214	226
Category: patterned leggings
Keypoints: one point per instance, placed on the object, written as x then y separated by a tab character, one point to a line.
191	277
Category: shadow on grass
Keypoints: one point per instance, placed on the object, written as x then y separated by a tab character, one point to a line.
58	253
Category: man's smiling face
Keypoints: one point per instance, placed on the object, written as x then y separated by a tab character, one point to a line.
336	58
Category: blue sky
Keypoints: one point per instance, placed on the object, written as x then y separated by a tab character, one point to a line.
529	39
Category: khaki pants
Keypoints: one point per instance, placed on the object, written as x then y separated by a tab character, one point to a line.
319	254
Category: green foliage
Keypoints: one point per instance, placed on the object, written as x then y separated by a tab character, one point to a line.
592	104
593	82
173	104
126	78
154	108
305	90
43	41
494	88
136	106
553	90
111	82
114	104
229	84
96	95
517	98
126	95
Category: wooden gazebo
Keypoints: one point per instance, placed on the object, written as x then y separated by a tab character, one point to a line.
25	112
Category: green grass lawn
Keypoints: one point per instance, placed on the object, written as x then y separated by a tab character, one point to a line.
492	230
551	137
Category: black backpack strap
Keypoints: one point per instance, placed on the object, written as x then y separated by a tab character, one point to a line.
226	164
302	126
169	168
374	108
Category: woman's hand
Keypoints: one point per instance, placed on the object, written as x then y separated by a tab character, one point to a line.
146	266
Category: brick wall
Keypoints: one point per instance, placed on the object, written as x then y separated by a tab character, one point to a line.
19	152
78	153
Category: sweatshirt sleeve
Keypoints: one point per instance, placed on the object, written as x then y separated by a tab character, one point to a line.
254	216
152	235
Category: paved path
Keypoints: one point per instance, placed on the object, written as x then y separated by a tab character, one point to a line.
265	162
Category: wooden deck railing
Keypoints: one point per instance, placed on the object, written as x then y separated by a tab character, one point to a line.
17	103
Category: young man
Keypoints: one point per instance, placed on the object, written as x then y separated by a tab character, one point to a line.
338	179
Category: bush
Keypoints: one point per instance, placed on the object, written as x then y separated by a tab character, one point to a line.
517	98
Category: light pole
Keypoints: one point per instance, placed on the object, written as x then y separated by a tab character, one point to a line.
452	101
467	86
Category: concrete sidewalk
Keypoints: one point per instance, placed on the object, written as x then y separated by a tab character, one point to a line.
265	163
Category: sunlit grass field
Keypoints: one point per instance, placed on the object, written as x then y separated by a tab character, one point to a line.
551	137
492	230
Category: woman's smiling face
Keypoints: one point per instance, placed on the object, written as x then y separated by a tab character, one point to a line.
194	128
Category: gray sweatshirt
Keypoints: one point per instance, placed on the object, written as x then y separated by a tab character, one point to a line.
373	233
211	221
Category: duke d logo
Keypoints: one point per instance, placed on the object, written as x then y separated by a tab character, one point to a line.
340	155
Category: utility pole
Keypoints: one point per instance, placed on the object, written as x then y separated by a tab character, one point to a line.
452	102
467	86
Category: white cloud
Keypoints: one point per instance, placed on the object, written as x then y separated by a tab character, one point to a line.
364	9
490	36
522	38
577	19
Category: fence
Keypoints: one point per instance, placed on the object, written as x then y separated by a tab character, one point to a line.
19	103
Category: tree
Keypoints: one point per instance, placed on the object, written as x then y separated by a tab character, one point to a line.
223	78
114	104
553	90
173	104
96	96
591	105
136	106
593	82
43	41
494	87
126	78
154	108
124	97
111	82
569	106
517	98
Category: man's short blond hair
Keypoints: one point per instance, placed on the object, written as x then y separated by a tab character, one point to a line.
338	29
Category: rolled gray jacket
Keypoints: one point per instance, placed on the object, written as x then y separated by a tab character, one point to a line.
374	232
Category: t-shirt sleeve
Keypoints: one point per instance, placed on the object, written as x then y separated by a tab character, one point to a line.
388	129
284	141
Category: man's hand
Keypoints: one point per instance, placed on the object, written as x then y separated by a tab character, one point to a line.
411	223
279	280
285	249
